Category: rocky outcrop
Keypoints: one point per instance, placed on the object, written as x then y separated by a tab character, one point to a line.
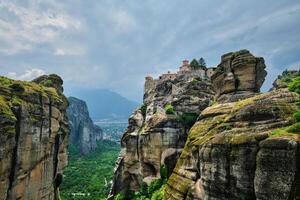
239	75
155	137
238	149
233	153
84	133
33	138
284	79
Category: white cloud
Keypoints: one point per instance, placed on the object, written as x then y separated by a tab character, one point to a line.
69	52
122	20
28	75
28	26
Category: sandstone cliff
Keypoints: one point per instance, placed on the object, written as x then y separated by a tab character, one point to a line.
33	138
157	131
84	133
239	150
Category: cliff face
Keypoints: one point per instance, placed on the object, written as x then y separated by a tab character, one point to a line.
33	138
236	149
84	133
154	136
239	75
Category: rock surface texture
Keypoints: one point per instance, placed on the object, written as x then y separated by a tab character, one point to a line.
235	150
154	138
33	138
239	75
84	133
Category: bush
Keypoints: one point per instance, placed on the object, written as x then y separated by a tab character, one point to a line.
169	109
294	86
194	64
144	109
188	119
158	194
297	116
17	87
155	185
295	128
118	197
163	172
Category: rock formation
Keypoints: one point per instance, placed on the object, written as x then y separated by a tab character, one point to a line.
84	133
154	137
236	151
33	138
283	79
239	75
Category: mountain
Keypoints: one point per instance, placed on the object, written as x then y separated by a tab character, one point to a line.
84	133
105	104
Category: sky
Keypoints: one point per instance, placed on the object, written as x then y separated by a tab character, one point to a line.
110	44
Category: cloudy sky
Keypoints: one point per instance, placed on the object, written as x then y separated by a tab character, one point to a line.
114	44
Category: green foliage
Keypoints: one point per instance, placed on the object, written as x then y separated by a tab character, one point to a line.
297	116
118	197
194	64
17	87
155	185
295	128
158	194
163	172
188	119
89	174
47	83
196	80
294	86
15	100
202	63
144	109
169	109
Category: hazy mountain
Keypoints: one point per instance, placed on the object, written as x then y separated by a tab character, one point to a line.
104	104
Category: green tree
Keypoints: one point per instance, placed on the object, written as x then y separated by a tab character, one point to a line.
194	64
202	63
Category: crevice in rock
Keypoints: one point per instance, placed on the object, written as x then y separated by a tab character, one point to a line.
50	115
42	114
254	171
17	112
55	163
295	189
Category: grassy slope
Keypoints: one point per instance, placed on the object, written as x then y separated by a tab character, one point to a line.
87	174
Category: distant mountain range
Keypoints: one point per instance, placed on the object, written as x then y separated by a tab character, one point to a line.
105	104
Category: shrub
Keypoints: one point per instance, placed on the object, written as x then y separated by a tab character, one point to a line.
144	109
297	116
118	197
158	194
295	128
194	64
169	109
155	185
17	87
294	86
163	172
188	119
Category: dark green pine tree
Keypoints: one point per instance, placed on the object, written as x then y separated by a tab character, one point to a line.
194	64
202	63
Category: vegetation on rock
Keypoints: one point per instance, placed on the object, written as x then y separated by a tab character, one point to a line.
169	109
